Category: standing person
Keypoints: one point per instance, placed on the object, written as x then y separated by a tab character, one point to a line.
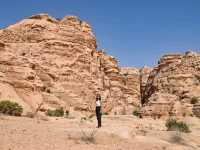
98	110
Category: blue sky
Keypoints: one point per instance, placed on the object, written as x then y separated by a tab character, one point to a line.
137	32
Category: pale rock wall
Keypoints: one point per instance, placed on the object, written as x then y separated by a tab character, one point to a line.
172	85
56	62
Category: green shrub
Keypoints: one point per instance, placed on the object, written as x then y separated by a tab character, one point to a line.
174	125
10	108
136	113
55	113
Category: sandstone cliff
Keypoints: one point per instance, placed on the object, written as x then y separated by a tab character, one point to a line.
173	87
56	62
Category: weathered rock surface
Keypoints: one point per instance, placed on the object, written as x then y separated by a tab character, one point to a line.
144	76
56	62
173	86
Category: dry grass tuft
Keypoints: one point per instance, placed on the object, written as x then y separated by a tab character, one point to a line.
88	137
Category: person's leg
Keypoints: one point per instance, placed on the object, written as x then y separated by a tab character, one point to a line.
100	120
98	117
96	112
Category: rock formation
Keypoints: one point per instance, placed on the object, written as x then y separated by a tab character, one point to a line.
56	62
173	87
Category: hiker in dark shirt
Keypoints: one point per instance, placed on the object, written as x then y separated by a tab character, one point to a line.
98	110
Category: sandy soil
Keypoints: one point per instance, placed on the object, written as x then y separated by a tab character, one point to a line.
117	133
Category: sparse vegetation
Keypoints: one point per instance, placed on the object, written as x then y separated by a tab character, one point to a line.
10	108
55	113
88	137
136	113
174	125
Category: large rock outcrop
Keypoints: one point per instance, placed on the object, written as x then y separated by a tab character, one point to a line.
173	87
56	62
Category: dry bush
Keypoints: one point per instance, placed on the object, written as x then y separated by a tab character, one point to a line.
88	137
83	135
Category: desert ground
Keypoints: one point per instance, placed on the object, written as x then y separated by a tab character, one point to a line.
117	133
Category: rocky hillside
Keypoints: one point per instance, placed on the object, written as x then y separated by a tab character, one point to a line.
55	62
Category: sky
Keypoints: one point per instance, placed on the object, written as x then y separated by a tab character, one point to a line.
136	32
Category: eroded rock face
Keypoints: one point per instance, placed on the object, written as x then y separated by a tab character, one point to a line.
173	85
56	62
144	76
131	90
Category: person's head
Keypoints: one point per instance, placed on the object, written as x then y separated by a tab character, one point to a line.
98	97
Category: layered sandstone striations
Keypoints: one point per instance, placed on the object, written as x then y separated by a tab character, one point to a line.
173	87
56	62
